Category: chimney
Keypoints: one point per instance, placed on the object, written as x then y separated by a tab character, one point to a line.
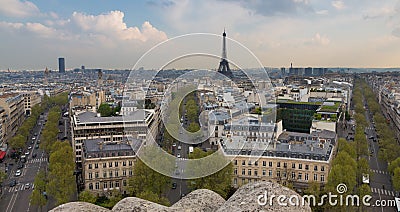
98	115
101	145
289	146
312	147
274	144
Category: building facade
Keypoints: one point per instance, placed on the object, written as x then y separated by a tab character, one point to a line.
13	105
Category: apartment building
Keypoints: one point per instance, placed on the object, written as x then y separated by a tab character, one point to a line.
107	165
31	98
292	159
13	105
90	125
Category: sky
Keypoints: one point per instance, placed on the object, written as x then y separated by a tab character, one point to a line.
115	34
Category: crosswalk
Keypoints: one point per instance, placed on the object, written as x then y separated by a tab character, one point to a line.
383	192
380	172
37	160
19	187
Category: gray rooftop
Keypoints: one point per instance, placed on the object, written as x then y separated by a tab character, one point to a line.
91	117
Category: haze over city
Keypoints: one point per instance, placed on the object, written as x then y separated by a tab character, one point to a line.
109	34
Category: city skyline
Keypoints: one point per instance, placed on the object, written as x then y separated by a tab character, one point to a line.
115	34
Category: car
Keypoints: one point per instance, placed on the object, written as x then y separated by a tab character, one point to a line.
38	141
13	183
179	147
183	194
29	147
27	186
18	173
34	155
174	144
6	169
27	152
174	185
35	134
20	166
37	146
33	138
178	155
33	141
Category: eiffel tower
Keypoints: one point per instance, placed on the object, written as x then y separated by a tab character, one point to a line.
224	64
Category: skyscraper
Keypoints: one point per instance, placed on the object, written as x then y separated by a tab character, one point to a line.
61	65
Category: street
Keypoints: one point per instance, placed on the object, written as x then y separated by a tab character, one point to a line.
17	198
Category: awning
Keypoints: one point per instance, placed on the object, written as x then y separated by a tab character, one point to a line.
2	154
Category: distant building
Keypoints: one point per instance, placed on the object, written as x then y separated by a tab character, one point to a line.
61	65
3	128
308	71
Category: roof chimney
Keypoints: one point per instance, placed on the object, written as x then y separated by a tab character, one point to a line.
98	115
312	147
101	145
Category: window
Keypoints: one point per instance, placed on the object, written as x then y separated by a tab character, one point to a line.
306	166
90	186
270	173
105	185
249	180
90	175
234	181
322	178
306	177
249	163
243	171
264	172
256	163
130	163
264	163
278	173
255	172
105	174
322	168
110	174
284	174
315	168
104	165
111	184
293	165
123	163
293	175
116	173
124	172
284	165
97	186
117	184
243	162
124	182
90	166
96	175
249	172
270	164
110	164
278	164
235	162
235	171
243	182
130	172
96	165
299	176
315	177
116	164
300	166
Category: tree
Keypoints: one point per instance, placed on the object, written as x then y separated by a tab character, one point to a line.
153	197
87	196
396	179
105	110
145	179
393	165
17	142
193	127
219	182
37	197
61	183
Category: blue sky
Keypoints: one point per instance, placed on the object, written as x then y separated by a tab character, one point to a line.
114	34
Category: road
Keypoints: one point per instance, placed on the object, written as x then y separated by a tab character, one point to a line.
380	179
17	198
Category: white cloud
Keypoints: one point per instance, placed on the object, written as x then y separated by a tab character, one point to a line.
338	4
113	25
320	40
322	12
16	8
